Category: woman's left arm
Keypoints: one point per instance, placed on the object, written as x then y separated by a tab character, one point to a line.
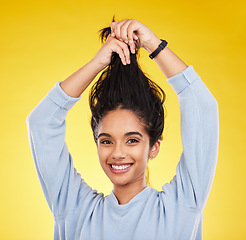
200	140
135	33
199	117
199	128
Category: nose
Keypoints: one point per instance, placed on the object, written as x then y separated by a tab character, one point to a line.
118	152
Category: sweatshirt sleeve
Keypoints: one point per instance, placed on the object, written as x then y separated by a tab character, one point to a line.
62	185
200	136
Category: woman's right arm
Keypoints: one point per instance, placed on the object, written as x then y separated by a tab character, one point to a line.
75	84
46	124
79	81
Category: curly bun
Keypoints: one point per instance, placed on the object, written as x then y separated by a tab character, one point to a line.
127	87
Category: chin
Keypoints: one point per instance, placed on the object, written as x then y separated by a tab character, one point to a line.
120	182
126	180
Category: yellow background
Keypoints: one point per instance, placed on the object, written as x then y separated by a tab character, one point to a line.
45	41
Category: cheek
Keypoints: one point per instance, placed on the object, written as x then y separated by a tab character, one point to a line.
141	153
103	154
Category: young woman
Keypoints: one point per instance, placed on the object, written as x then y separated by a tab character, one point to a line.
127	123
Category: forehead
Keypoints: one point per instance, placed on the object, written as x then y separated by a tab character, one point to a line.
121	120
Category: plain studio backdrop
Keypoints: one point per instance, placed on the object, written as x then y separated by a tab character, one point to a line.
43	42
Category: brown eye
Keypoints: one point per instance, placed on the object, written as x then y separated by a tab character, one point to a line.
132	140
105	142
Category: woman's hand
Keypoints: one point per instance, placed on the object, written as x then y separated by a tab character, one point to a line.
103	56
134	32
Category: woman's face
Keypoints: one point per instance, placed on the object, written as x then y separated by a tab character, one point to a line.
123	147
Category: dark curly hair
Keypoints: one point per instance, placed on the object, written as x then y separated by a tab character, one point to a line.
127	87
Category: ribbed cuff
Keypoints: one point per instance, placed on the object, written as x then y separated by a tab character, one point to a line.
180	81
58	96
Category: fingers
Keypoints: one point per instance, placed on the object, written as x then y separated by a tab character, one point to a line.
124	31
124	53
121	30
116	29
122	49
112	26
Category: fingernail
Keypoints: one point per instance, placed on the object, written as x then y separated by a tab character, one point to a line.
126	41
121	39
130	42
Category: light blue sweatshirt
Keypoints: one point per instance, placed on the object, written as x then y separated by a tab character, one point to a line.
174	213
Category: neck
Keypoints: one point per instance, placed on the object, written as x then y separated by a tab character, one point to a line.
124	193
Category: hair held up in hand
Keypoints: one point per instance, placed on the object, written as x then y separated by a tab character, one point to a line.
127	87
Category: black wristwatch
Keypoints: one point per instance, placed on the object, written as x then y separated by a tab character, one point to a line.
162	45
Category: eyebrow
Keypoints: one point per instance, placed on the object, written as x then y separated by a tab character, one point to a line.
104	134
126	134
134	133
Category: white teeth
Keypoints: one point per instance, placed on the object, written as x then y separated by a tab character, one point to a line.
120	167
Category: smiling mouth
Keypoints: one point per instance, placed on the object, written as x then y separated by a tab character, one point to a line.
120	168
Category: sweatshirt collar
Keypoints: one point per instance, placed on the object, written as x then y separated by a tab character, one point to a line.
140	197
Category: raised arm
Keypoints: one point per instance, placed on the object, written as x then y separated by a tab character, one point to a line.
199	117
46	124
78	81
54	165
135	34
200	135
